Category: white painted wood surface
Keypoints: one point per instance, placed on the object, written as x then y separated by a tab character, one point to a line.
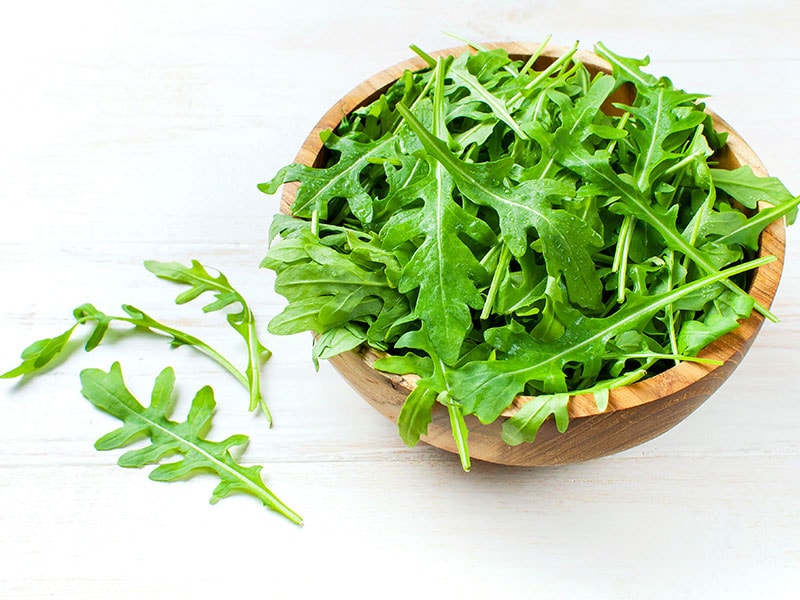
138	130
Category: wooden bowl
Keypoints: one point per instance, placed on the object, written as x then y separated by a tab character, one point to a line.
636	413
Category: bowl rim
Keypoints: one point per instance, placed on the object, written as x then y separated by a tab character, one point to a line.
763	286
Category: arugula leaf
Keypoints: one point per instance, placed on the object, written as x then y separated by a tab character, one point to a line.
335	341
243	321
524	425
39	354
443	267
747	188
461	76
627	69
661	124
340	180
734	227
167	438
36	356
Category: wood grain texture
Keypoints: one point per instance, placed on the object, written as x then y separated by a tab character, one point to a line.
627	421
139	130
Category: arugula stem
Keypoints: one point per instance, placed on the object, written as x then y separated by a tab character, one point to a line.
458	426
684	162
527	66
315	222
185	338
552	68
670	311
676	186
497	277
620	265
413	105
610	384
253	364
623	120
489	257
664	356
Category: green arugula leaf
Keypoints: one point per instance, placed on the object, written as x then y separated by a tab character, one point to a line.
627	69
243	321
462	78
335	341
39	354
36	356
443	267
340	180
525	424
663	120
730	226
746	187
168	438
723	316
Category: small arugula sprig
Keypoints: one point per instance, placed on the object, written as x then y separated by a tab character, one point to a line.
167	438
243	321
40	353
503	229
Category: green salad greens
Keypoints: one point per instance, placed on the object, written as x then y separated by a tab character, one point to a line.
503	229
167	438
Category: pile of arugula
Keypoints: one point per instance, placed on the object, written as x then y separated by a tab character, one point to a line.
501	230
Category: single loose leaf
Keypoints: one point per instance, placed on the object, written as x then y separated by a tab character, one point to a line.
39	354
243	321
168	438
525	424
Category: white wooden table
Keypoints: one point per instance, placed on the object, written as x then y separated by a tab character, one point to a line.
139	130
